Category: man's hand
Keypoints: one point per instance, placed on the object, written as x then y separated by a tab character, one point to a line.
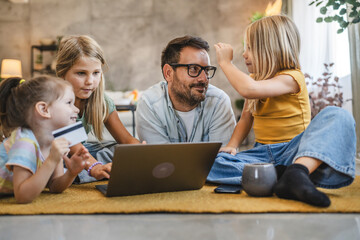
101	171
227	149
78	161
224	53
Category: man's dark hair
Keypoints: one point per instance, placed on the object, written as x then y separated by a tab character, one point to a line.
171	53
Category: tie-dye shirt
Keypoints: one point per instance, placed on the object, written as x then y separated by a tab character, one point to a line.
20	149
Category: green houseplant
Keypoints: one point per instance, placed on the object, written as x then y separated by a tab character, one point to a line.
239	103
38	62
335	11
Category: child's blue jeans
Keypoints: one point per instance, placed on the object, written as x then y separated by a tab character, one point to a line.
330	137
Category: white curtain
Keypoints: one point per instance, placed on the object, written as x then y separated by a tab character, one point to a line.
321	44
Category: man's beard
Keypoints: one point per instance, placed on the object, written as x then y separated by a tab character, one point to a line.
184	94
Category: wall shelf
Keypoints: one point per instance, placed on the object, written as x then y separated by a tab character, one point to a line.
44	69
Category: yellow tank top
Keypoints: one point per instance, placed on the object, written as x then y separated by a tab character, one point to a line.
280	119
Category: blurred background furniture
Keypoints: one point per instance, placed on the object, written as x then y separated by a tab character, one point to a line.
37	59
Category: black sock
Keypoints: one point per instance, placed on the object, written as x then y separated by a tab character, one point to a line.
280	169
295	184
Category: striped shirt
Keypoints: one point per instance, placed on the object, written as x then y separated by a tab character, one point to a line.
20	149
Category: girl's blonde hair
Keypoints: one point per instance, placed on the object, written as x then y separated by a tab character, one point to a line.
71	49
274	42
19	97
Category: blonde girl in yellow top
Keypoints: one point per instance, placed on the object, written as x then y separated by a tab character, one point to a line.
80	60
319	153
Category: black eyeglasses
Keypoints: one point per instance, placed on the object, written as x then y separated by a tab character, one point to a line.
194	70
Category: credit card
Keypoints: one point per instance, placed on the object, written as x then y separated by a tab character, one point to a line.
74	133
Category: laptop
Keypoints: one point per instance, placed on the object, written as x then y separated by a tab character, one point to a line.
153	168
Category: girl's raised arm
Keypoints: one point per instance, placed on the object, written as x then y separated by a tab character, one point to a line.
248	87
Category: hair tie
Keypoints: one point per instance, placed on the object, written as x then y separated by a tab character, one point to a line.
21	81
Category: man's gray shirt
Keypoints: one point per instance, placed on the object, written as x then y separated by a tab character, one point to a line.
158	122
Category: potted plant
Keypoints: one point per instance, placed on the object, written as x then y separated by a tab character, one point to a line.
335	11
38	62
239	104
325	91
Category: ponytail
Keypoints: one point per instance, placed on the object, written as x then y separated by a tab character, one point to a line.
8	106
18	98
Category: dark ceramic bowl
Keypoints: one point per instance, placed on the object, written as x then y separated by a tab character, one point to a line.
259	179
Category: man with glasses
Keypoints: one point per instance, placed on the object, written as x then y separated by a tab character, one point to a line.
185	107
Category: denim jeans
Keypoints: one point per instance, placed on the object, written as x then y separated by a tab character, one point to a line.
102	152
330	138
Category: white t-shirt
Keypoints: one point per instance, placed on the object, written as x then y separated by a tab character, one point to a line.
188	120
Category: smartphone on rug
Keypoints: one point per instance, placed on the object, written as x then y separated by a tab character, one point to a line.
225	188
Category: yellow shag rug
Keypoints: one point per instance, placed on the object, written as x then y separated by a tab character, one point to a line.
85	199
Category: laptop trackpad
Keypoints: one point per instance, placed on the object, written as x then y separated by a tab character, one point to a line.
102	188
